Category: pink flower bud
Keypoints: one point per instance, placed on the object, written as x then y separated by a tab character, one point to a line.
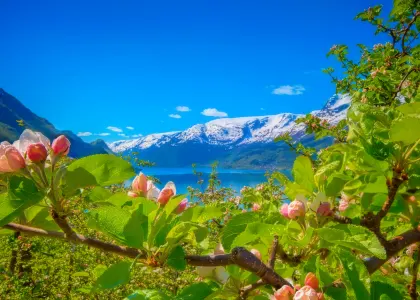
132	194
343	205
296	209
284	293
61	146
10	159
284	210
182	206
37	152
306	293
312	281
320	296
324	209
256	207
167	192
139	184
256	253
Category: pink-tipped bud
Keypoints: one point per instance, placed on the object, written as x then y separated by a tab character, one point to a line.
324	209
61	146
312	281
284	293
256	207
306	293
132	194
139	184
320	296
37	152
182	206
343	205
296	209
284	210
166	193
10	159
256	253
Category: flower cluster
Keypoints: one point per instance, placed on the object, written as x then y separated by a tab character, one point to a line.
142	187
307	292
32	147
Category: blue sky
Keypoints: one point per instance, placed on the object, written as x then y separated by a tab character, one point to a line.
101	66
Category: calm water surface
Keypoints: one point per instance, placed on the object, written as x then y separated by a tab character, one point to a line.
184	177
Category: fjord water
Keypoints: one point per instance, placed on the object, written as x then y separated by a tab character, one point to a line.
184	177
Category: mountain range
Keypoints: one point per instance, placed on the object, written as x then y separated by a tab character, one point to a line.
15	117
246	142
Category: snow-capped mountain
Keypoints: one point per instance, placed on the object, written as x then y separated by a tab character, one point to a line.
219	136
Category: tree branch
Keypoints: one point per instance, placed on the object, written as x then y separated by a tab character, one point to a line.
393	247
77	238
273	252
244	292
291	260
239	256
413	287
407	29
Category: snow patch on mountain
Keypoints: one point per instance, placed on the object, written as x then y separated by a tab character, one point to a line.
238	131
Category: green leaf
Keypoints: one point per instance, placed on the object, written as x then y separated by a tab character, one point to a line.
147	295
404	130
335	184
236	226
378	289
410	109
356	275
119	224
22	194
120	200
323	274
253	232
40	217
179	232
201	214
173	203
176	259
101	169
353	237
117	274
98	194
303	173
195	291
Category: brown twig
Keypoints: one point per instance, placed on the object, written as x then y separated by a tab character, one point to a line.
291	260
77	238
393	247
239	256
407	29
273	252
413	286
244	292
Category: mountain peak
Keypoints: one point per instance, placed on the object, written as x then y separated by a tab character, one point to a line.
234	132
11	109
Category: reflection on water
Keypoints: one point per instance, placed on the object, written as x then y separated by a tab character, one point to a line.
184	177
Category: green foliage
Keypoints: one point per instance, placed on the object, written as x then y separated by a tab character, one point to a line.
22	194
114	276
353	203
235	227
102	169
119	224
